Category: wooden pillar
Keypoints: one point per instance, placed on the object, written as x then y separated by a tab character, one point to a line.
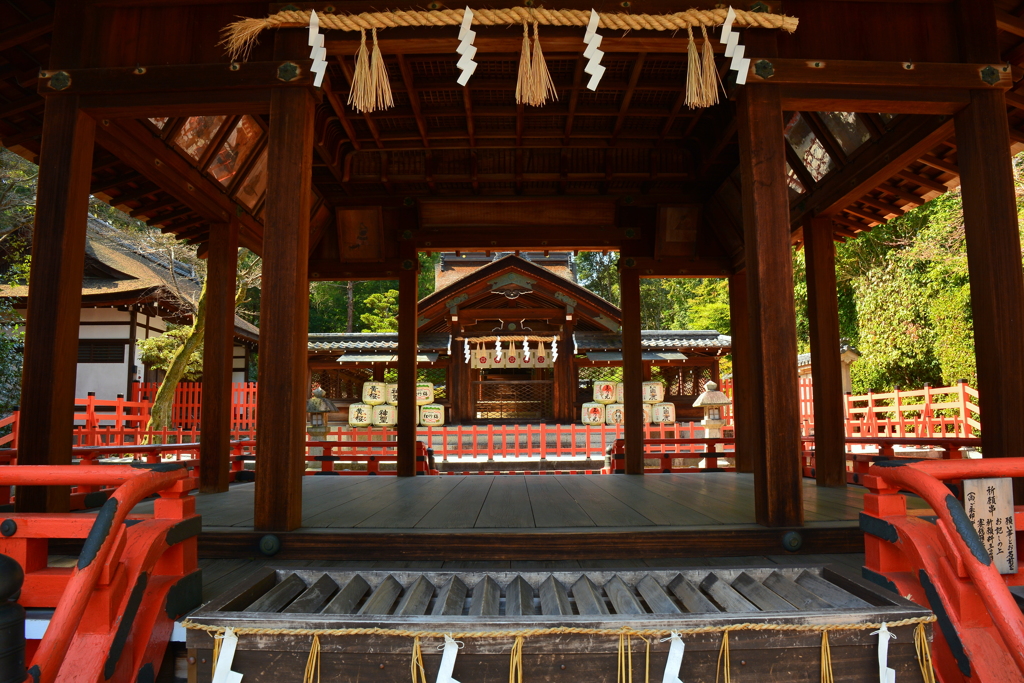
826	365
993	247
218	358
408	349
772	316
745	389
565	376
632	365
55	299
284	306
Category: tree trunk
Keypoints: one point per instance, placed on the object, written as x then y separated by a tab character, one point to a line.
163	402
350	286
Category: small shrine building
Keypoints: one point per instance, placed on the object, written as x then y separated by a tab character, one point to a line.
572	334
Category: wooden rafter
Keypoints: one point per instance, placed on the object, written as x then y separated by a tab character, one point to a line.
414	98
627	97
467	104
339	110
574	96
17	35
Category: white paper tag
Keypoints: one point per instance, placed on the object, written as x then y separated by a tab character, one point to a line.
595	76
595	19
885	674
743	72
314	27
467	25
731	43
464	78
737	57
727	25
592	51
223	672
526	349
451	649
554	341
675	660
467	49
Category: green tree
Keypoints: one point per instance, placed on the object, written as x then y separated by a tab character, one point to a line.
383	313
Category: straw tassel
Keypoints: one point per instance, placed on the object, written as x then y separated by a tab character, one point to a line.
709	72
380	84
541	85
694	79
524	86
360	96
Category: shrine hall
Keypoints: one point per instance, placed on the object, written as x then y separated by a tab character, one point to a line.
218	122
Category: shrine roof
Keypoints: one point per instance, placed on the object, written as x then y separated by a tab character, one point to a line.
655	339
372	341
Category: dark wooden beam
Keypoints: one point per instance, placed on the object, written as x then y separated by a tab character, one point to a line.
826	366
218	345
23	33
177	78
51	338
574	97
880	160
772	315
339	110
408	418
908	75
993	247
467	103
922	181
414	98
627	97
873	99
746	405
20	106
284	306
632	365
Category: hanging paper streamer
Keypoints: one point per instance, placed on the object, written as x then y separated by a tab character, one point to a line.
468	351
554	349
592	53
739	64
885	674
497	350
526	349
449	349
675	659
451	649
222	673
466	37
319	53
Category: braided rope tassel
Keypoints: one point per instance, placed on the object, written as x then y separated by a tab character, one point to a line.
360	95
924	654
380	84
625	668
524	86
217	639
710	81
826	659
694	79
313	663
419	674
515	667
723	655
542	86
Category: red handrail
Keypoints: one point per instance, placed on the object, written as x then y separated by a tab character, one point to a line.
134	484
925	479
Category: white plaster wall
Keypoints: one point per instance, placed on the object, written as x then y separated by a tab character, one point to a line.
106	379
238	364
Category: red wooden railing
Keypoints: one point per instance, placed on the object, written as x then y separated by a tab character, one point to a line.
669	451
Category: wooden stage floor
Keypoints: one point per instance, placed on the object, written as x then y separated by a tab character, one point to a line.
502	517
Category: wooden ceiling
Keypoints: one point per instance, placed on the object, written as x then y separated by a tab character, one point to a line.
634	139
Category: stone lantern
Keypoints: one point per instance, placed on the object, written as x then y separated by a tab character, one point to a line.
317	408
712	401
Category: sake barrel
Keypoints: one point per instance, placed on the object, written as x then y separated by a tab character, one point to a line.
374	393
359	415
593	413
604	392
424	393
392	394
615	414
664	413
654	392
384	416
647	413
620	392
432	415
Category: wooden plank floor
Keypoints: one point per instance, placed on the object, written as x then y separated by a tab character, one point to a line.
520	502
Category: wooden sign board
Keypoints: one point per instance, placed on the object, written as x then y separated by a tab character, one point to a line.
677	230
989	504
360	233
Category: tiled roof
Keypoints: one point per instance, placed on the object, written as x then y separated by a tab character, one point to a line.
655	339
372	341
804	359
